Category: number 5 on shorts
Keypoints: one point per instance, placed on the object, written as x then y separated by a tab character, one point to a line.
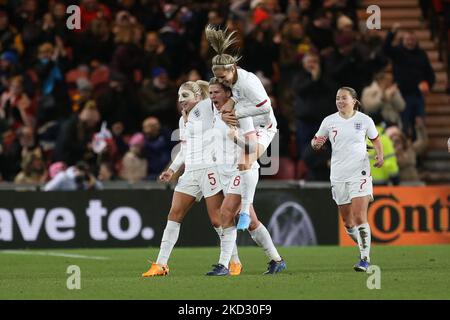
212	180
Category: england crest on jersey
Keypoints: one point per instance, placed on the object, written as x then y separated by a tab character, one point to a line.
197	113
358	126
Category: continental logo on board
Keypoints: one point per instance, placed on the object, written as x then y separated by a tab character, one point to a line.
407	216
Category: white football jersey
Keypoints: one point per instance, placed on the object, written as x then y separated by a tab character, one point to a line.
226	153
199	144
349	157
250	93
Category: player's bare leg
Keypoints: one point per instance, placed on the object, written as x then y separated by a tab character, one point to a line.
345	211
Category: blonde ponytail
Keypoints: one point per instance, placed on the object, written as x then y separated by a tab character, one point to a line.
220	42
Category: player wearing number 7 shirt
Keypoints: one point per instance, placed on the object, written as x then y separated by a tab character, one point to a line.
199	178
351	181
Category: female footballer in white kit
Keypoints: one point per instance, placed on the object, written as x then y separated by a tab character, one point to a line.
351	181
227	155
199	178
249	103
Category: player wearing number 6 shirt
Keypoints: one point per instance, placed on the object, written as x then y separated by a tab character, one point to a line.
351	182
199	178
227	155
249	103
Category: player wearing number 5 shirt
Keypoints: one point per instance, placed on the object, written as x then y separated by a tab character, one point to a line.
199	178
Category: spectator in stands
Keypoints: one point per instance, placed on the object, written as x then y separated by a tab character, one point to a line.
10	38
106	172
77	177
49	30
314	94
321	33
294	45
346	64
96	44
413	74
134	164
13	154
407	151
33	166
260	50
16	108
9	67
118	104
54	103
157	146
158	97
90	10
74	139
27	20
173	36
370	45
382	100
154	54
58	23
389	172
128	56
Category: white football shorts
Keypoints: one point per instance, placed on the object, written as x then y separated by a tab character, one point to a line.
344	192
199	183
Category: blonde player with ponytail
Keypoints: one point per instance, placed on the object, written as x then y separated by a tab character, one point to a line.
351	182
199	178
248	107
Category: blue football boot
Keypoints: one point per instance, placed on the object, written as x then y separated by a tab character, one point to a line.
244	221
362	265
275	266
218	270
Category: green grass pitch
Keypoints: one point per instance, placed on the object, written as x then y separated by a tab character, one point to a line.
410	272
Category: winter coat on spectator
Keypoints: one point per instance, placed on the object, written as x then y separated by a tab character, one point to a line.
376	101
410	67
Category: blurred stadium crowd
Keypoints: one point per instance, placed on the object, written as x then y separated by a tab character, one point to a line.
122	69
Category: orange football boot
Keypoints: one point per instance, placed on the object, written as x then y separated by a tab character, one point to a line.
235	268
156	270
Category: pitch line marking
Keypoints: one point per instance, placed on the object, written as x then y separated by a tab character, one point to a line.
53	254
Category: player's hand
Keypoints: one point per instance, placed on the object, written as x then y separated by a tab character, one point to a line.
230	118
318	142
228	106
166	175
378	161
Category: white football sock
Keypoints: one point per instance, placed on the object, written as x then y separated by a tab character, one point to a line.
352	232
234	255
219	231
227	241
263	239
249	180
169	238
364	239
